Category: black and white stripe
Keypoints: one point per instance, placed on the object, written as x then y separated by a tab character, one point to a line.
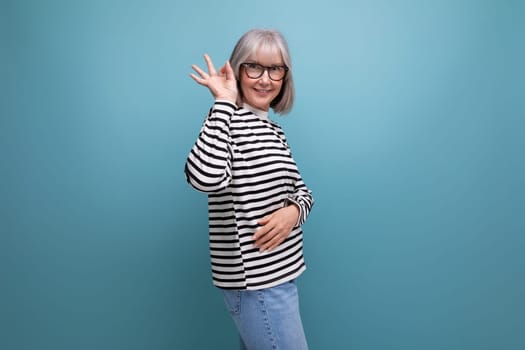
243	162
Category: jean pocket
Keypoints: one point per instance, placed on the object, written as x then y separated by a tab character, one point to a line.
232	299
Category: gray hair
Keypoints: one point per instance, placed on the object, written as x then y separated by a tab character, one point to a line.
248	45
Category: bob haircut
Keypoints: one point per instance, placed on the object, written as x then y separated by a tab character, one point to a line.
247	47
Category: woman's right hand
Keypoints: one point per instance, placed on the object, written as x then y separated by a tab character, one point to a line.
222	84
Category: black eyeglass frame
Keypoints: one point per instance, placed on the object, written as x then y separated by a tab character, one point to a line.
264	69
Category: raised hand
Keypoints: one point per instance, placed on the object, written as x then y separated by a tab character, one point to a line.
222	84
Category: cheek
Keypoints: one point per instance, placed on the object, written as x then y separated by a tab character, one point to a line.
244	85
278	90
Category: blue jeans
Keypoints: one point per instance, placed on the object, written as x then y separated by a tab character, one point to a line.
267	318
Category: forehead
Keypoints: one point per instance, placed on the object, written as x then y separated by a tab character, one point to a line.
267	54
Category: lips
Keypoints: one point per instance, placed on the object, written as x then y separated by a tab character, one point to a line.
261	91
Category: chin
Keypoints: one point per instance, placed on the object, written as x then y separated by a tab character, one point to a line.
262	105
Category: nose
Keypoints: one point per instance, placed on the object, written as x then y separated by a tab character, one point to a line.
265	76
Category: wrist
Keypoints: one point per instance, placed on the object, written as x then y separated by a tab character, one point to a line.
294	210
229	98
289	203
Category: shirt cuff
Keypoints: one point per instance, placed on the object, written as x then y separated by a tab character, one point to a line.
289	201
233	105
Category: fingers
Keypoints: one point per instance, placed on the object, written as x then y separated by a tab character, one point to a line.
209	63
276	227
262	235
271	240
225	71
202	73
270	235
228	71
264	220
198	70
197	79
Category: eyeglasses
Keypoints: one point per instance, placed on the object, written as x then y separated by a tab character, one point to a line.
255	71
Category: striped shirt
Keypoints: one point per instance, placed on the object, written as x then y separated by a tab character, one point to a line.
242	161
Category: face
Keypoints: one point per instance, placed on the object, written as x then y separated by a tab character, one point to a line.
260	92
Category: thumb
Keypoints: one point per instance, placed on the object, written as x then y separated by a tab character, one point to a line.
264	220
230	75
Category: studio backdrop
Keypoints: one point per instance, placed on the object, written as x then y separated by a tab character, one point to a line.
408	127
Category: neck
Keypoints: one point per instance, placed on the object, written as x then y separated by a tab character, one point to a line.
256	111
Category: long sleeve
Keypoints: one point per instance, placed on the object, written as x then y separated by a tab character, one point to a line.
209	164
242	161
302	197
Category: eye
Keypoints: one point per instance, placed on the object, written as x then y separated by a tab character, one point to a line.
252	66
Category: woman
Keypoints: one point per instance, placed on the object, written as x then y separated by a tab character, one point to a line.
256	197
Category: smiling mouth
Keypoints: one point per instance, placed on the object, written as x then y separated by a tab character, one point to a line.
262	91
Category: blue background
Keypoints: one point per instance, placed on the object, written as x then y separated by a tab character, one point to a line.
408	127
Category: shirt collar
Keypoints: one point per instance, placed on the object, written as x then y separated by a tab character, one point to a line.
257	112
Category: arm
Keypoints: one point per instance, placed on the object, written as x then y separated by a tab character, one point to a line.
208	167
276	227
302	198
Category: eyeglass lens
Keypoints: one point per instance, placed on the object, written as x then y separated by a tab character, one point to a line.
254	71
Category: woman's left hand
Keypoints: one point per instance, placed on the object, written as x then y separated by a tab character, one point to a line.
276	227
222	84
